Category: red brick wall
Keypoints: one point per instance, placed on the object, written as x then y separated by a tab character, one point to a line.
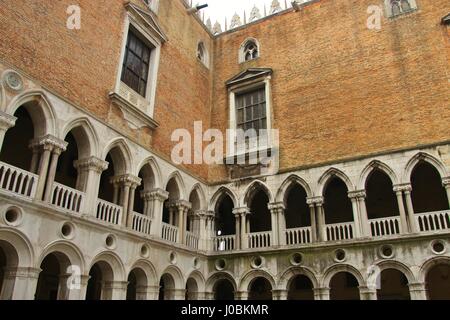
341	90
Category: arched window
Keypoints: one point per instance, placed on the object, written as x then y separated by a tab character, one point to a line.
249	50
202	54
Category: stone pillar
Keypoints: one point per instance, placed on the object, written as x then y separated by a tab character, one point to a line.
148	293
368	293
156	199
363	217
241	295
279	294
181	208
446	184
178	294
316	208
20	283
89	172
312	213
418	291
48	144
114	290
56	152
237	218
241	232
409	205
127	183
398	189
210	229
34	159
321	293
7	121
205	231
356	214
278	223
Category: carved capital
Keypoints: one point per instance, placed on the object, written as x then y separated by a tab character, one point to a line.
155	195
91	163
446	182
127	180
406	187
315	201
50	143
180	205
276	207
241	211
358	194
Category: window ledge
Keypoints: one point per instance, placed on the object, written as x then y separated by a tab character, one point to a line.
132	109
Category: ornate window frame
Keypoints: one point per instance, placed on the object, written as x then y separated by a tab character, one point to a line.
139	110
248	80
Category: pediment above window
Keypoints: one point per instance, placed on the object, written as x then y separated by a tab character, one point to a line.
148	20
249	75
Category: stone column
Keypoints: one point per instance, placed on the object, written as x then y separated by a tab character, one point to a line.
364	218
148	293
279	229
34	159
446	184
20	283
356	214
312	213
48	144
241	295
127	183
205	231
279	294
181	207
409	205
7	121
237	219
157	197
321	293
89	172
368	293
418	291
317	218
210	229
114	290
56	152
398	189
241	226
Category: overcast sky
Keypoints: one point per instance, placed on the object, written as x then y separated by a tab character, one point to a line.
219	9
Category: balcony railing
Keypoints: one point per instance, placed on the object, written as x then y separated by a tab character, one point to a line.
224	243
433	221
385	226
339	231
298	236
259	240
141	223
109	212
192	240
169	232
17	181
67	198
